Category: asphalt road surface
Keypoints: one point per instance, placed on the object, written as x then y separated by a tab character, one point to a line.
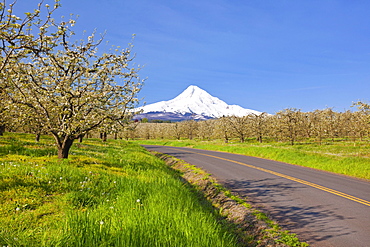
322	208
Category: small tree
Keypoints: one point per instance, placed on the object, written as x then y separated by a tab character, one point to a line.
332	121
176	130
258	125
364	112
205	129
190	128
223	129
239	126
317	124
130	130
145	130
290	121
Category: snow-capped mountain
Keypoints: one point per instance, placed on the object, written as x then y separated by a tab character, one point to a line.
193	103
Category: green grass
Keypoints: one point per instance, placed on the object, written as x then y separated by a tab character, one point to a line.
105	194
273	231
345	157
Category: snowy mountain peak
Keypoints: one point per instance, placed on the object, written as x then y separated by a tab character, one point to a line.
194	102
192	92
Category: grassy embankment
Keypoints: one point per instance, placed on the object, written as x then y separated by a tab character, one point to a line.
105	194
344	157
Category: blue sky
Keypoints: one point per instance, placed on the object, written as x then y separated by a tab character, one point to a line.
265	55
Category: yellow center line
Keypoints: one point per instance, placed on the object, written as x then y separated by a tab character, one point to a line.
335	192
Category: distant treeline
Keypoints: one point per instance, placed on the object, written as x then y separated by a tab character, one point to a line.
290	125
145	120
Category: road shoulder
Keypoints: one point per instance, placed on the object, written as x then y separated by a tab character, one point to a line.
251	226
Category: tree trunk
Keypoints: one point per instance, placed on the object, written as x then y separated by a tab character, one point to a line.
226	137
37	137
242	139
104	138
259	138
190	135
2	129
63	150
80	138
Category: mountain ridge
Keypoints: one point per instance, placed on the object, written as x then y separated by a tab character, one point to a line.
193	103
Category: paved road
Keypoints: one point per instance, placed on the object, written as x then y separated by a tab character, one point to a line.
324	209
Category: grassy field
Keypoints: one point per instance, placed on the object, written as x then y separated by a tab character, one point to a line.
105	194
343	157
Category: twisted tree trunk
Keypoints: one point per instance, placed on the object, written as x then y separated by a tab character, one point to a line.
64	144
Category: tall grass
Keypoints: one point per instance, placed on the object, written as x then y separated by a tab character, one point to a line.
347	158
105	194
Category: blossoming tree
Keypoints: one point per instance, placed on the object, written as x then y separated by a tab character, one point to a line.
70	87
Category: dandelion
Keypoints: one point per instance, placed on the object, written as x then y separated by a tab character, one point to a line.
101	225
61	178
17	209
138	200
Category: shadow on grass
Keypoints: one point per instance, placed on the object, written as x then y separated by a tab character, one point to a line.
19	148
